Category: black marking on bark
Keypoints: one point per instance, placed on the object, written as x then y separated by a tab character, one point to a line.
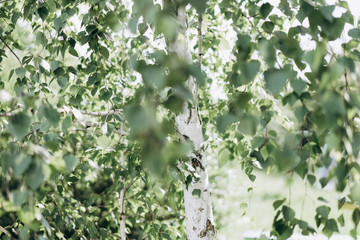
209	229
197	164
198	113
189	118
198	154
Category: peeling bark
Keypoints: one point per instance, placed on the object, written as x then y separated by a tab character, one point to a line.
198	208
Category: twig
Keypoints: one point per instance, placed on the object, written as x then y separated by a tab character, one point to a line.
6	232
9	113
253	25
200	39
67	110
85	112
130	184
33	132
91	124
11	51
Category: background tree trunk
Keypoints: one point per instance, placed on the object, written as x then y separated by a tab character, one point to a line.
198	208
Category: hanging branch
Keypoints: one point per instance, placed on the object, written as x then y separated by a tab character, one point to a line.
11	51
68	110
200	39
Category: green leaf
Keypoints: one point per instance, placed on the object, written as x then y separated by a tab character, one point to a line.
199	5
43	13
252	177
58	24
275	80
332	141
54	65
168	26
341	220
14	18
356	216
104	52
35	177
341	202
257	142
62	81
20	72
137	118
327	12
224	121
103	142
278	203
19	196
112	21
298	85
330	227
268	26
248	125
323	211
40	38
19	125
265	9
142	27
267	51
249	71
71	162
51	114
288	213
72	70
20	163
354	33
73	52
66	123
302	224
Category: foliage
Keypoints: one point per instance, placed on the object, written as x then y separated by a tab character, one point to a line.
91	82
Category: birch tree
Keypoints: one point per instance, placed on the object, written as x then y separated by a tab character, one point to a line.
110	109
197	194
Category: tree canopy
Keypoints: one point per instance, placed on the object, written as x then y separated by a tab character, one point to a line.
110	109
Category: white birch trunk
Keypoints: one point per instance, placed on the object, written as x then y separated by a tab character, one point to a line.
198	210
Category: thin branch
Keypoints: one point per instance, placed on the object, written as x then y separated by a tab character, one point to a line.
91	124
131	183
33	132
68	110
6	232
11	51
200	39
252	24
85	112
9	113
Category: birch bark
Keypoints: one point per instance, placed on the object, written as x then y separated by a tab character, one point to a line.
198	209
